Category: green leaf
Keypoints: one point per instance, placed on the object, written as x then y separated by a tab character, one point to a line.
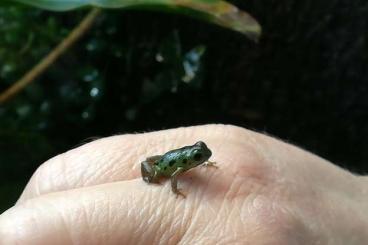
215	11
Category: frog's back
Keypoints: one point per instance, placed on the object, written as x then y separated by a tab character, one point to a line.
173	160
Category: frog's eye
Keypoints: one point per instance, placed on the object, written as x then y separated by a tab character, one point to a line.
197	156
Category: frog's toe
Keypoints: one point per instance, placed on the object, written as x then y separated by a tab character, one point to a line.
181	194
210	164
147	179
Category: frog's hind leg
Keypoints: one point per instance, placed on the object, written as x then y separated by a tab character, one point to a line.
149	173
146	171
153	159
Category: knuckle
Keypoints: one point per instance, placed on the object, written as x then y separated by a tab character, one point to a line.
47	176
278	222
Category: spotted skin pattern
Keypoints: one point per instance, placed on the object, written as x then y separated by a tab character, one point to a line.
174	163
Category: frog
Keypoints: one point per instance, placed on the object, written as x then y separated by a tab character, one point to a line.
174	163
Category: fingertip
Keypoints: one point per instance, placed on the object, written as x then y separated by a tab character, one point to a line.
24	224
114	213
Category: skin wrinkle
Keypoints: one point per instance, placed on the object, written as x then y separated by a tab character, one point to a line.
234	218
89	177
198	211
156	212
224	229
201	183
114	169
127	204
108	225
20	228
105	170
81	218
134	215
306	211
157	222
235	189
189	215
265	157
124	205
312	208
246	186
81	175
89	217
160	219
66	230
191	230
293	228
45	168
248	206
174	233
35	225
231	216
40	174
36	182
209	174
250	164
266	212
150	208
180	225
130	214
185	220
64	173
209	225
230	193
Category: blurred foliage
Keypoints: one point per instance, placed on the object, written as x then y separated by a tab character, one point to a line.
104	73
215	11
305	82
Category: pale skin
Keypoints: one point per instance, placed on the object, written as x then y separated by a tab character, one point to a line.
264	191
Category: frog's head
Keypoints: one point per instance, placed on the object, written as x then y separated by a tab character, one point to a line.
200	153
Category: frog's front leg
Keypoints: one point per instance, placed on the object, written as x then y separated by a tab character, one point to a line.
174	181
149	173
210	164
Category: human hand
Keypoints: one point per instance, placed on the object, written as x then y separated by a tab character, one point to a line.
264	192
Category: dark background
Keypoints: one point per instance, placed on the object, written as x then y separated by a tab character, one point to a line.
305	82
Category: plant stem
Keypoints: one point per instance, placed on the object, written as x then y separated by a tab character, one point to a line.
51	57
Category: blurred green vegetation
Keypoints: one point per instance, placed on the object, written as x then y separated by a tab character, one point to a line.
305	82
219	12
100	86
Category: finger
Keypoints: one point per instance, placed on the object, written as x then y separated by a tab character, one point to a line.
117	158
116	213
129	213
